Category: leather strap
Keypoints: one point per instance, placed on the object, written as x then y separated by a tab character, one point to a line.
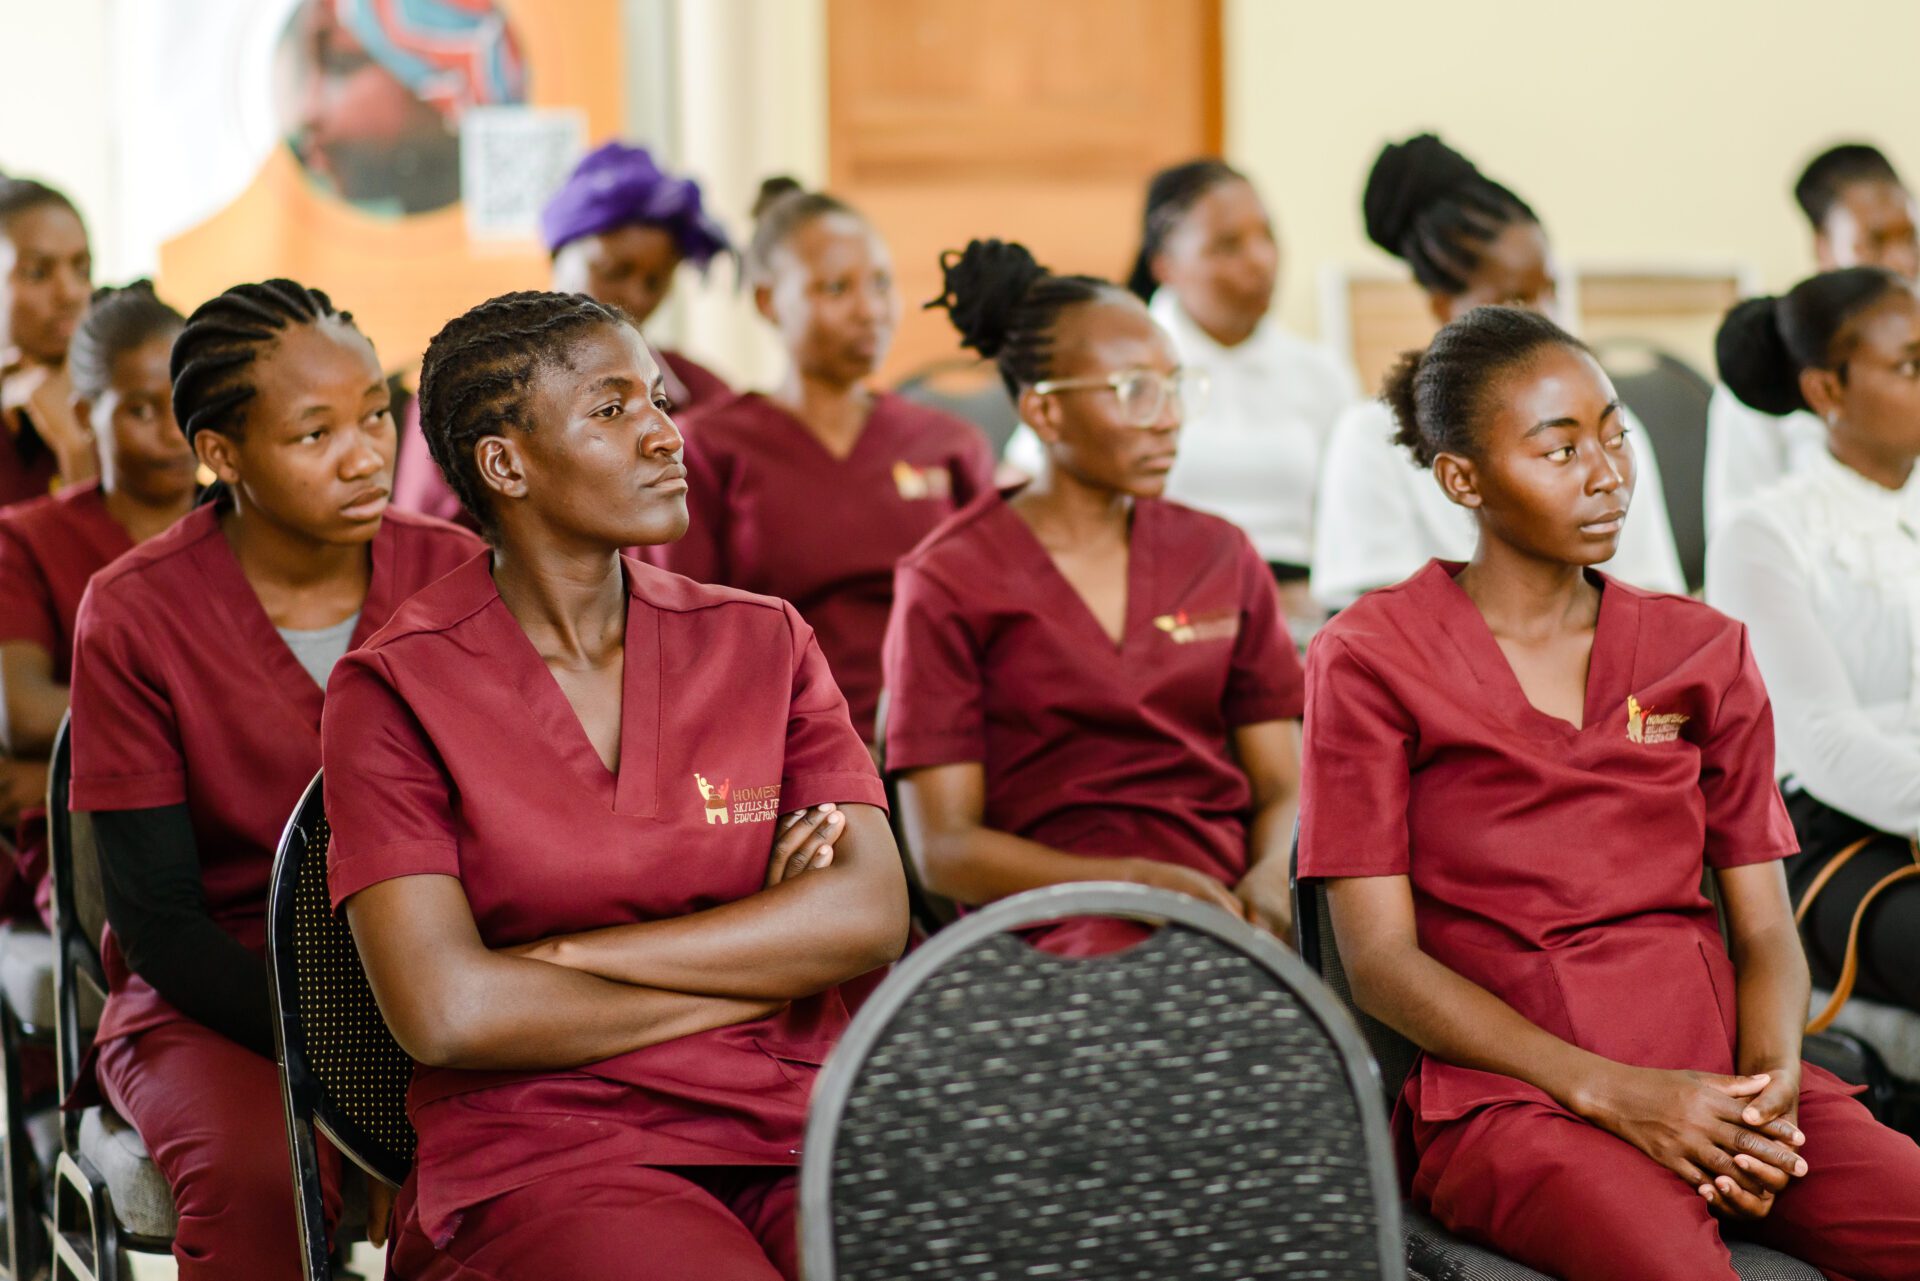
1850	967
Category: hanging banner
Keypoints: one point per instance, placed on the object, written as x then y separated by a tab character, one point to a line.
391	152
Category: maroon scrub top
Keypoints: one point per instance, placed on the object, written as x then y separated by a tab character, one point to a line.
183	693
1091	748
49	548
774	512
419	487
450	750
1559	868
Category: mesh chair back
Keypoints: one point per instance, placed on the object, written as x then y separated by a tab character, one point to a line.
1195	1106
1313	932
342	1066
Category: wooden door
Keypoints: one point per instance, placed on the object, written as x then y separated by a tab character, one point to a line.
1030	120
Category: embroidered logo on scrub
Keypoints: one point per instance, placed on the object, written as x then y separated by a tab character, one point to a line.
915	483
1185	629
1644	725
725	804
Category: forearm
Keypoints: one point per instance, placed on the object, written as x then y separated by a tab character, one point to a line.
1457	1020
1771	993
1270	839
981	865
495	1012
206	974
791	940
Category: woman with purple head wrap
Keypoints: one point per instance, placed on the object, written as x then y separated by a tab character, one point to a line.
618	230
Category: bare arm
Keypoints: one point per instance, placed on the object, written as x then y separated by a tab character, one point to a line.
959	857
1772	986
453	1002
35	702
795	938
1270	754
1690	1122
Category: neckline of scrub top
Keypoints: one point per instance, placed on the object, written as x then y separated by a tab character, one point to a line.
255	631
1137	573
630	790
1610	663
793	423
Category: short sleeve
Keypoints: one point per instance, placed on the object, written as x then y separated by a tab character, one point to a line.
27	609
1265	681
701	553
1356	768
935	691
389	800
825	760
1746	819
126	735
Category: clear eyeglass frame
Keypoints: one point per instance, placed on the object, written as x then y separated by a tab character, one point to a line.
1143	393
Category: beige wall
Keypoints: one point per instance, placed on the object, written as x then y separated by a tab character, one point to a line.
1657	131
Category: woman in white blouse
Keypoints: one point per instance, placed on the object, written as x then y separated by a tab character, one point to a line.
1862	216
1470	242
1824	568
1207	268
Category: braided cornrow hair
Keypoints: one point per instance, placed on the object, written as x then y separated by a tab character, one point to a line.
1429	205
1170	195
1005	305
223	337
117	321
478	374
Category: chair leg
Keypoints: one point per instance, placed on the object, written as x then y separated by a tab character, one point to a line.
86	1236
26	1241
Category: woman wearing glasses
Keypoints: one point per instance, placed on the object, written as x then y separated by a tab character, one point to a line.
811	492
1089	683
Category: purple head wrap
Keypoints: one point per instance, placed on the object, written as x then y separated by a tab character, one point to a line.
617	185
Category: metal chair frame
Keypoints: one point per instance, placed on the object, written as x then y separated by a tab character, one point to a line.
26	1221
843	1070
88	1241
309	1104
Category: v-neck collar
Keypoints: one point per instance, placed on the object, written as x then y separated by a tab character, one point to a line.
1052	582
862	443
1610	664
257	635
632	789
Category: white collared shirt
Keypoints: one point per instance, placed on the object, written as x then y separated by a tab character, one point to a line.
1824	569
1253	456
1748	451
1381	518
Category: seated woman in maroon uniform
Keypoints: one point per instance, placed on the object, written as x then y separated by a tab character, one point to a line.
1517	770
553	782
200	660
1089	683
760	464
50	547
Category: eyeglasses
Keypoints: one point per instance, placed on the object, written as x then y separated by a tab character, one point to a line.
1144	394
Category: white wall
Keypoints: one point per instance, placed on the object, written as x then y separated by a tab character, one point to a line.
56	102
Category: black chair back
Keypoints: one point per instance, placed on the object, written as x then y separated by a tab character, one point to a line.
341	1071
79	920
1313	935
1194	1106
930	911
1670	398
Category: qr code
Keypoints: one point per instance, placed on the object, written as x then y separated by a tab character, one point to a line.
511	160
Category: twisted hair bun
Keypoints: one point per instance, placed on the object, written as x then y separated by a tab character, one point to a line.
982	288
1407	178
1755	361
773	191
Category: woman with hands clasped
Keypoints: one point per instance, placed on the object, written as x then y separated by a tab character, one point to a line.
1515	771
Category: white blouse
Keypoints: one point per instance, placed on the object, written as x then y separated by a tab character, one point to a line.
1824	569
1748	451
1380	518
1253	456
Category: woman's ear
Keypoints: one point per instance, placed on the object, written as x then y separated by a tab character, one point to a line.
1458	480
1041	413
218	454
500	466
1825	392
763	303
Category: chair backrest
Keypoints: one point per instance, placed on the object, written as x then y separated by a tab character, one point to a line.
1194	1106
929	911
79	918
340	1066
1313	935
969	389
1670	399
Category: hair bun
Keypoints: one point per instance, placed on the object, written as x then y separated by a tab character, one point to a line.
773	191
983	285
1406	178
1755	361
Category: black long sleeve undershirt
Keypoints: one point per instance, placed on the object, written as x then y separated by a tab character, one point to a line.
157	906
